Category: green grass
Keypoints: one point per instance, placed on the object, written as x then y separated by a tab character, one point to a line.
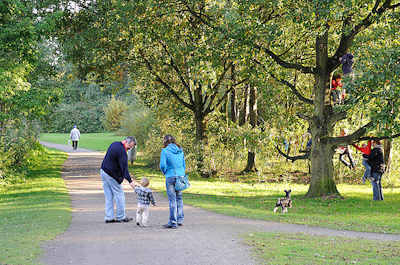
92	141
33	211
356	211
281	248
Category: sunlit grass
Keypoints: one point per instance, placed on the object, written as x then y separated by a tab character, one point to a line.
356	211
33	211
282	248
91	141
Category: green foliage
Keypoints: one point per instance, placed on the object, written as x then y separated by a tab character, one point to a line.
15	146
113	114
137	120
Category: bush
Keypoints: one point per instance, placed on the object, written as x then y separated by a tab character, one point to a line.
113	114
138	121
16	144
86	116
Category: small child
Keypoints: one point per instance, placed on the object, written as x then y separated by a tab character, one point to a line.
365	149
144	198
336	88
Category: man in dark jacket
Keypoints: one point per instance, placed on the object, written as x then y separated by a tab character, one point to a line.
377	163
114	170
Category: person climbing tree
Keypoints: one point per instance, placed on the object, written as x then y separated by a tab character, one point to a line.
336	88
365	149
345	151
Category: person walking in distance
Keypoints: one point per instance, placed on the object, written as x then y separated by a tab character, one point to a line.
114	169
75	135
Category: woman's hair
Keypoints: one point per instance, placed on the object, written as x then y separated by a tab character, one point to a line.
378	142
169	139
336	76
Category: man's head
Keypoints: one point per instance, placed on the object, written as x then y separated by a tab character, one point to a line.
129	142
74	126
377	142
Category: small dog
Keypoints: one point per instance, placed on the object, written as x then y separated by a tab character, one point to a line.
284	202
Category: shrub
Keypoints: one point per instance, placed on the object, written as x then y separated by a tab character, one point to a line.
138	121
113	114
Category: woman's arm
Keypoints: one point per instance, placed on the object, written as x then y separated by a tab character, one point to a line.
163	162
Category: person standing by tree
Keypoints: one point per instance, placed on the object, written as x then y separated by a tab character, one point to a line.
75	135
114	170
377	169
172	165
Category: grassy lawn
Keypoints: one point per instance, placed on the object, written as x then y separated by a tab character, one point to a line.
92	141
356	211
250	199
280	248
33	211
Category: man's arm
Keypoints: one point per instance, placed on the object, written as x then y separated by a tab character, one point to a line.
123	163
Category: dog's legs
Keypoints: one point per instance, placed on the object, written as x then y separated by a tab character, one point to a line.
275	209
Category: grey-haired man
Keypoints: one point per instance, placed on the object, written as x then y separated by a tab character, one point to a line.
114	170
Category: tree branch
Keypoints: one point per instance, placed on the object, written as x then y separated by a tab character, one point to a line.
215	88
352	138
304	117
293	158
278	60
291	86
338	117
377	138
165	84
175	67
347	39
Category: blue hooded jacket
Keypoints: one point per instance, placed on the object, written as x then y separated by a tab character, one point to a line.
172	161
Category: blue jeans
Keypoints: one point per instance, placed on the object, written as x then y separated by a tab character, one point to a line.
377	186
113	192
367	172
175	202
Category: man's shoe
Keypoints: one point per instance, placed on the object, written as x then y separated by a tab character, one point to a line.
125	220
110	221
180	224
169	226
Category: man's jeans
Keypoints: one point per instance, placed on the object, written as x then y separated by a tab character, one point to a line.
113	191
377	186
175	202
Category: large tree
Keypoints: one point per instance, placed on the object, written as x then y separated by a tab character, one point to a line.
309	38
168	43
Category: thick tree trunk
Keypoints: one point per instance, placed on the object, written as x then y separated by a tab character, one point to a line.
322	183
199	143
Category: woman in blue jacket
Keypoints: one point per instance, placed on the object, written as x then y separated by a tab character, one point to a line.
172	165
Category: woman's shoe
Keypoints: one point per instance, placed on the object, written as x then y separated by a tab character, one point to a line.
169	226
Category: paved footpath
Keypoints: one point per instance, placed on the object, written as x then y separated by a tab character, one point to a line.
206	237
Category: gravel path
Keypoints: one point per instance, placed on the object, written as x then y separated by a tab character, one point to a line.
206	237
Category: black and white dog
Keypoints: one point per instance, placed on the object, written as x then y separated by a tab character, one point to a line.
284	202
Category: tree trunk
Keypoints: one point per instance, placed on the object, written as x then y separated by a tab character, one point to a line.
387	152
244	111
251	155
322	183
233	109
